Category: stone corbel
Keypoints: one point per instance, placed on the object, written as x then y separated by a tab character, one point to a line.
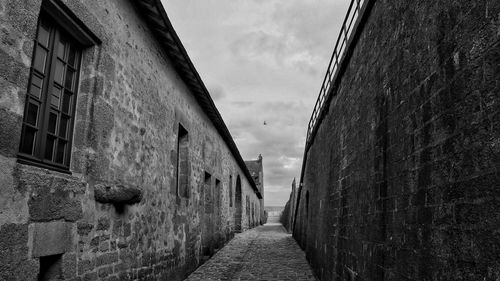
117	194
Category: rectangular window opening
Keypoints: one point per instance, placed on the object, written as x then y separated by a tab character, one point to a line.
217	198
183	163
230	191
50	268
207	191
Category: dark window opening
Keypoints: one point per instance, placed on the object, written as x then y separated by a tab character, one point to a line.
238	204
50	102
208	178
217	195
183	163
207	217
50	268
230	191
208	193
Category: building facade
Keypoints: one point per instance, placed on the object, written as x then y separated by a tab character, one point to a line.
114	161
256	168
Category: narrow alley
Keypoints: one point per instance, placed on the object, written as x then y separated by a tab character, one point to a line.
153	140
263	253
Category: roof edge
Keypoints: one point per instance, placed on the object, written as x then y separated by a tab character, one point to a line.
164	32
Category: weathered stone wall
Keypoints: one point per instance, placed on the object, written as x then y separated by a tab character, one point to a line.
402	179
288	215
130	102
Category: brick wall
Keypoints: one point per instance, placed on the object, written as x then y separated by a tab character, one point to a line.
130	103
402	179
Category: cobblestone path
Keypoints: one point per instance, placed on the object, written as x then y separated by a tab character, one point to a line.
263	253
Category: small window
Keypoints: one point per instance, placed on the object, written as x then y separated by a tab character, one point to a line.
230	191
50	102
183	163
208	178
50	268
207	191
217	196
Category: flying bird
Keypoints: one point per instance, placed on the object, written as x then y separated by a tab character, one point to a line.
265	123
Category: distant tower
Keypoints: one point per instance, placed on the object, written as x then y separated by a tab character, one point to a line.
256	169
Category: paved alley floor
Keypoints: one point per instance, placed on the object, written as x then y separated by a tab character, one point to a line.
263	253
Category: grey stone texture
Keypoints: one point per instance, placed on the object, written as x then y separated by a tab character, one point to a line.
402	179
51	238
256	169
130	102
264	253
288	215
117	194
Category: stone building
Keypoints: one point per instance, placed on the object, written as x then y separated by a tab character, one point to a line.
256	168
288	215
114	161
400	179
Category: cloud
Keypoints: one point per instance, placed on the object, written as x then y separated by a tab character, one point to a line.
266	61
242	103
281	141
295	35
216	92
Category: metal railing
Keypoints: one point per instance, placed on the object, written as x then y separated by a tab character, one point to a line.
353	14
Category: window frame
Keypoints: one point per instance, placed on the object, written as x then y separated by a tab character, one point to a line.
37	157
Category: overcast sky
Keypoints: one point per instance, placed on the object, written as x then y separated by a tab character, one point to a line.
262	61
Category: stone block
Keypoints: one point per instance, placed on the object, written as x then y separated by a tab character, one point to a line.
51	238
107	258
105	271
13	234
47	206
13	71
103	223
117	194
10	126
85	266
84	228
90	276
21	270
14	251
69	266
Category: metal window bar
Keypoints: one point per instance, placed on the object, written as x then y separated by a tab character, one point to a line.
352	16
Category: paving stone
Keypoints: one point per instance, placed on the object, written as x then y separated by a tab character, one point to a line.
263	253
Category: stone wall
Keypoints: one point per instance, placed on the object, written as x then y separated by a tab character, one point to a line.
256	168
288	215
402	179
129	106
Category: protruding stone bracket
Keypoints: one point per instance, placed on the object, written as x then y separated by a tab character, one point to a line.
117	194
